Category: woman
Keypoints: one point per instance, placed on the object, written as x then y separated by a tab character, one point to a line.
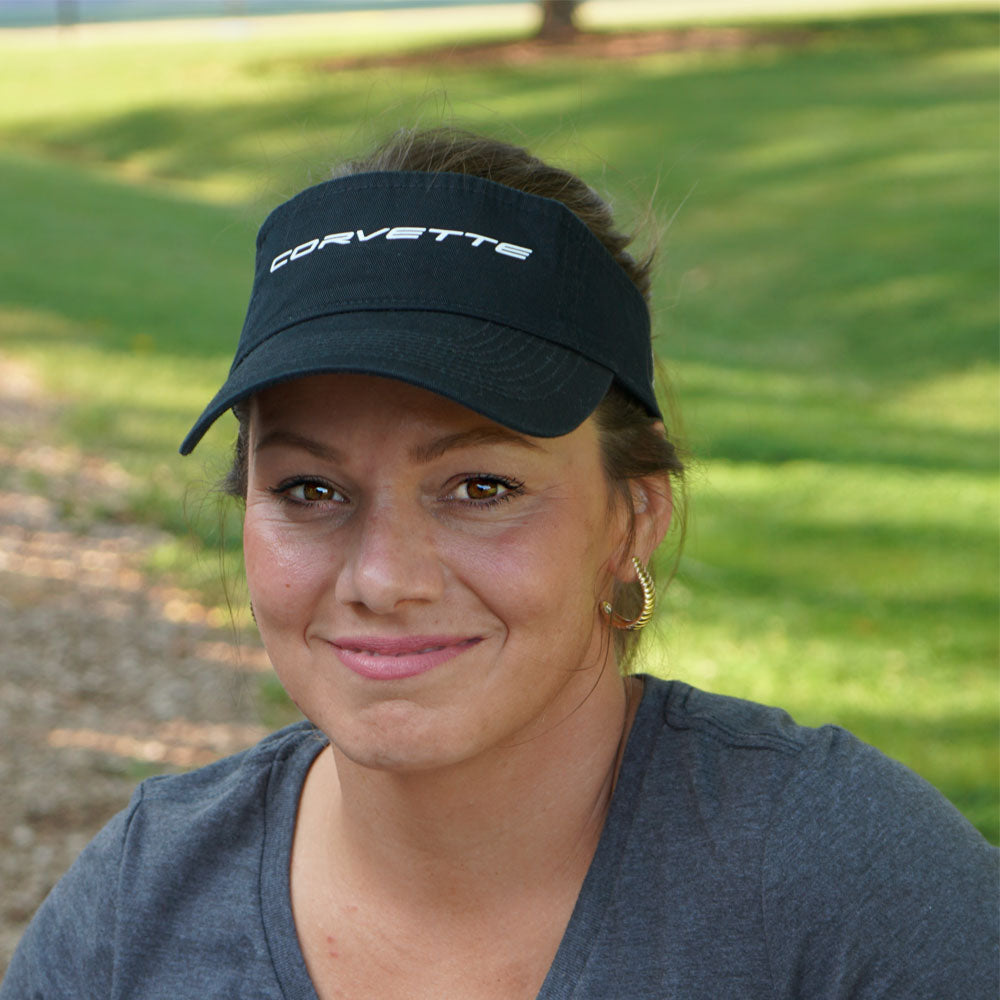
455	472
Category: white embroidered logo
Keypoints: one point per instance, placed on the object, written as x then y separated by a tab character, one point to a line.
397	233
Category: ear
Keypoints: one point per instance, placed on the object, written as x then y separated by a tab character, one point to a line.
653	507
653	501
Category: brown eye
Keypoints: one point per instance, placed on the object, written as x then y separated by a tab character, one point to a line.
310	492
485	491
316	492
482	489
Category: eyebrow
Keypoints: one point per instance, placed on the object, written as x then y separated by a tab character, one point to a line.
419	453
280	436
478	435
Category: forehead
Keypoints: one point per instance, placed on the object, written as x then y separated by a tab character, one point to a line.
386	412
338	396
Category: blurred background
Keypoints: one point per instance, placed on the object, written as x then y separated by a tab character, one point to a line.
821	181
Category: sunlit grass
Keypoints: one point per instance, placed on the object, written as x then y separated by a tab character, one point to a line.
826	303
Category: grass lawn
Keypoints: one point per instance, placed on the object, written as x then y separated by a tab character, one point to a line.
826	306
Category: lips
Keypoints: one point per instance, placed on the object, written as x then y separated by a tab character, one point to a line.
395	657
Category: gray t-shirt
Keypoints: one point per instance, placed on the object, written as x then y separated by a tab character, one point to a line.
743	857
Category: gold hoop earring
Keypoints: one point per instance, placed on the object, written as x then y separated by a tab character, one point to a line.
648	602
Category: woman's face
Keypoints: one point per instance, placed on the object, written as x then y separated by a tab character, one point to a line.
425	580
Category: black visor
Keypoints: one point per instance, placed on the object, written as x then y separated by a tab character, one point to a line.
502	301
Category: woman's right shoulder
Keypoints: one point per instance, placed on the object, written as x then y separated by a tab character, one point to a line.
168	811
175	819
161	863
242	775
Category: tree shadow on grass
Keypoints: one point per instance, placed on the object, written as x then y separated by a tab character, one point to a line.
817	245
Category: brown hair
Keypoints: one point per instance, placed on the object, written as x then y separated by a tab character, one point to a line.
632	442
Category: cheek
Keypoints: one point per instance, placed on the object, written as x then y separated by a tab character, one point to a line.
543	577
285	572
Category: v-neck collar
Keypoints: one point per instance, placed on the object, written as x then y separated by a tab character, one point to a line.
599	884
285	788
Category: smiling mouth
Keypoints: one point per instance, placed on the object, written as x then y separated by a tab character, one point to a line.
404	646
376	652
386	658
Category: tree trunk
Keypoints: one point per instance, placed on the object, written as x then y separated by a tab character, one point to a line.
557	20
67	13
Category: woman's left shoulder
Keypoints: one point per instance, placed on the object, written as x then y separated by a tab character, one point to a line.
861	866
796	773
903	885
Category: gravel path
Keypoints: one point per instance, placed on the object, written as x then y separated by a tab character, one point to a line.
104	676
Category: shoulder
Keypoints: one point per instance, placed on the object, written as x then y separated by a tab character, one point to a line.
729	721
856	864
181	859
804	781
204	828
241	778
716	757
763	748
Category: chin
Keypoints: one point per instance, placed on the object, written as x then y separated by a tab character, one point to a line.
398	736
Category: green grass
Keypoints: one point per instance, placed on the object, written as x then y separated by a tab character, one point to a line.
826	305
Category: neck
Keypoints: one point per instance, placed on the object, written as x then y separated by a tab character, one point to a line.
530	814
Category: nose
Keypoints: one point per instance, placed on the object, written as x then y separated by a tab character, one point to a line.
390	559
